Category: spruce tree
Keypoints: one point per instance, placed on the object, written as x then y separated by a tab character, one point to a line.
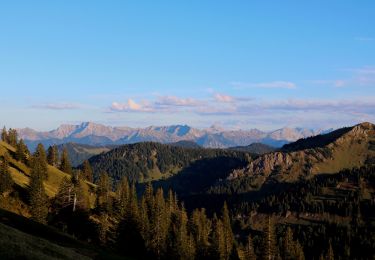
218	250
65	164
130	236
73	194
4	135
103	199
12	137
158	225
38	197
87	171
228	234
330	255
291	249
39	162
22	152
122	197
269	250
6	181
53	155
200	228
249	249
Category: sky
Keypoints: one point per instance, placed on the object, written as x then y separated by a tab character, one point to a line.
236	64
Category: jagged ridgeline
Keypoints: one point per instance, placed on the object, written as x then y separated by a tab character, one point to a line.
148	161
345	148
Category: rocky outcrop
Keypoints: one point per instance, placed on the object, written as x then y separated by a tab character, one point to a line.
349	149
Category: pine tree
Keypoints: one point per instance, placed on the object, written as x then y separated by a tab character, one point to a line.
330	255
73	193
4	135
39	163
22	152
130	236
179	244
218	250
87	171
122	197
12	137
291	249
65	164
228	234
53	155
158	225
6	181
249	253
200	228
104	202
269	250
38	197
288	245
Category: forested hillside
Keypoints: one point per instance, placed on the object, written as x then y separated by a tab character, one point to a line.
142	162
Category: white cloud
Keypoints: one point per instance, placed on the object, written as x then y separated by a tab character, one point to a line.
272	84
130	105
176	101
57	106
223	98
359	77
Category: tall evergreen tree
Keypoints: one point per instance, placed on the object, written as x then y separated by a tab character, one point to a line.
130	238
122	196
330	255
4	135
65	164
103	199
200	228
53	155
249	253
291	249
6	181
12	137
269	250
73	193
22	152
38	197
218	250
87	171
228	233
158	225
39	162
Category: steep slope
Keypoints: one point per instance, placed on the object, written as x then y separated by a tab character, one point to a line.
344	148
21	173
22	238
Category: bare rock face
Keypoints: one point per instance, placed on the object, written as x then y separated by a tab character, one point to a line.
269	162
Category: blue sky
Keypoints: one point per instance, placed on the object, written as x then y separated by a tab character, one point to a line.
238	64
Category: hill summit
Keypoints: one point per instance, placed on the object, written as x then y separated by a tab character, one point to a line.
344	148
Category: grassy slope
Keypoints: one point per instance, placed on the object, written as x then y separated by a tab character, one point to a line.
21	238
21	173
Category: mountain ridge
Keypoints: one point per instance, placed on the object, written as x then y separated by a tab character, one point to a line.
214	137
343	148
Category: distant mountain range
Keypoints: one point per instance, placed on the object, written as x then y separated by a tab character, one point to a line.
100	135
